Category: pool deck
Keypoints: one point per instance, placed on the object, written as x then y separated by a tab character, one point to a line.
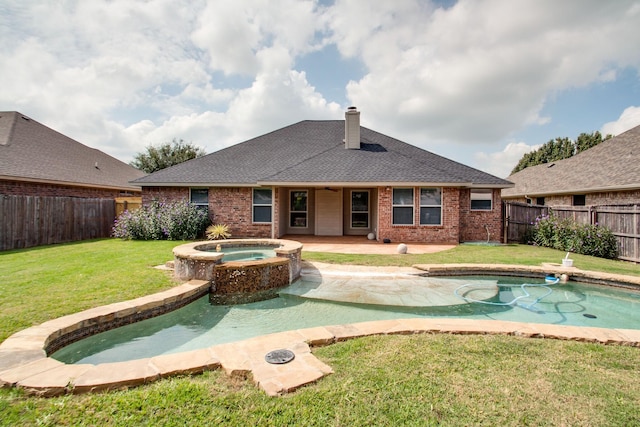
24	363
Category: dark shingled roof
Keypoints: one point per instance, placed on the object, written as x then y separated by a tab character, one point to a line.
33	152
313	152
612	165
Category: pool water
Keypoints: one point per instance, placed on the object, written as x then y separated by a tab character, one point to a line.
246	253
200	324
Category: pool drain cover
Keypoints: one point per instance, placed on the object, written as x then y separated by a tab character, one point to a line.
278	357
589	315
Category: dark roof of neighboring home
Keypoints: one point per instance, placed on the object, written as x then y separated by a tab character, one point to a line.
612	165
313	153
30	151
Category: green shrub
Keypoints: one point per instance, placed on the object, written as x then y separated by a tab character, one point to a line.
159	220
567	235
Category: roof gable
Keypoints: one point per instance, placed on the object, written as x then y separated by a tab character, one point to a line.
33	152
609	166
314	152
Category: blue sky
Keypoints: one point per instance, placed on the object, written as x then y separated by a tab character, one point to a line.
481	82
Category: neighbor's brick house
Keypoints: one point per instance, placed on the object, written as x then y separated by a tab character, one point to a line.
54	189
607	174
35	160
335	178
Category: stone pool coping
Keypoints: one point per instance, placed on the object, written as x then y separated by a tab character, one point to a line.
24	363
198	250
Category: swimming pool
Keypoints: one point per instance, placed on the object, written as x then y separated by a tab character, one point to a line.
304	304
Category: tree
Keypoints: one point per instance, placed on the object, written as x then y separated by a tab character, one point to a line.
558	149
586	141
165	155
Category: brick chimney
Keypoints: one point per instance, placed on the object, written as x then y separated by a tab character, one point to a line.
352	129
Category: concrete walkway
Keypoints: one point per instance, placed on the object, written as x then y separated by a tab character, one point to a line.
361	245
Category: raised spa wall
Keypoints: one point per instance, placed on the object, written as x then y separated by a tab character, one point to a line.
235	282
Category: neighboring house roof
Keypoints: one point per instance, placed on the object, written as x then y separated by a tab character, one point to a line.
612	165
30	151
314	153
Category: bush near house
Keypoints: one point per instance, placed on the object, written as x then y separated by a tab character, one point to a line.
567	235
161	220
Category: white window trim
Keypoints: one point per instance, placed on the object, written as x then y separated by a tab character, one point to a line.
431	206
253	205
481	194
412	206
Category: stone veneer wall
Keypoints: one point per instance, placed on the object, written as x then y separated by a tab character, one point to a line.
240	282
447	233
472	223
235	282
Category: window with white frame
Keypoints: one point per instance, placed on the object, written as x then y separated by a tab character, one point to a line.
262	205
481	199
298	209
402	206
200	198
430	206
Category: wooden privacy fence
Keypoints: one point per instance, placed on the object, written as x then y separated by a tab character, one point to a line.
127	204
518	218
622	220
29	221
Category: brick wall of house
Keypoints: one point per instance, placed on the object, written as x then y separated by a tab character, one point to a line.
474	225
168	194
613	198
230	206
19	188
604	198
447	233
234	207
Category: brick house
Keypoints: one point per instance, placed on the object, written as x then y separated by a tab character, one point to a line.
336	178
607	174
38	161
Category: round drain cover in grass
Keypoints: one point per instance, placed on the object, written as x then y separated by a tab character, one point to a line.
278	357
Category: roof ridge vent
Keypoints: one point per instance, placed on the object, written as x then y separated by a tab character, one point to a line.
352	129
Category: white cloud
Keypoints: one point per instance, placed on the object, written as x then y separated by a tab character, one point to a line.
501	163
629	118
234	33
119	75
481	69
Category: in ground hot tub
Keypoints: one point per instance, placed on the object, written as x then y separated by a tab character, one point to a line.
240	270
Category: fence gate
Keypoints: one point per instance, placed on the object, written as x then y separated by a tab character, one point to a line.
518	218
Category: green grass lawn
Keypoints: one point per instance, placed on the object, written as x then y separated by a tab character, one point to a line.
394	380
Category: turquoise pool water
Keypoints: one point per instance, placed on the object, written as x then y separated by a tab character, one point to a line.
201	325
246	253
